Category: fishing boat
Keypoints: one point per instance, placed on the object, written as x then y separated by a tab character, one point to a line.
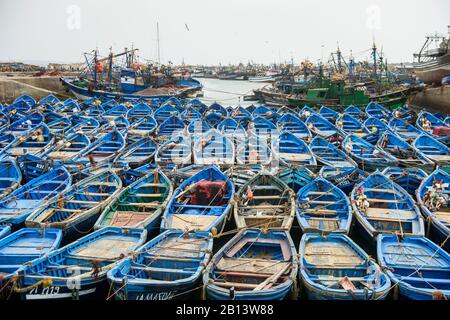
306	112
253	265
101	151
262	127
232	129
137	153
333	267
4	230
376	110
321	126
165	112
264	202
239	175
92	256
447	121
406	154
344	178
417	267
77	209
351	125
323	208
407	178
328	154
328	113
369	157
57	123
382	206
21	247
404	128
176	150
433	198
433	126
19	204
25	124
139	205
189	114
266	113
355	112
118	110
10	176
213	148
172	126
48	99
201	203
294	124
215	114
86	125
291	150
433	149
31	143
168	267
255	150
241	115
295	177
143	126
67	148
375	125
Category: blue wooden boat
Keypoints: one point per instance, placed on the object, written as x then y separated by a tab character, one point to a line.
198	128
139	111
33	142
116	111
262	127
168	267
295	177
175	102
264	202
239	175
328	113
382	206
407	178
10	176
165	112
143	126
4	230
172	126
333	267
294	124
22	247
86	125
94	111
350	124
68	107
57	123
305	112
106	105
241	115
433	149
139	205
66	148
176	150
344	178
266	113
92	255
404	128
253	265
291	150
100	151
32	167
77	209
428	123
356	112
417	267
328	154
447	121
250	108
323	208
25	98
213	148
16	207
254	150
433	197
369	157
198	105
406	154
137	153
201	203
321	126
189	114
375	125
49	99
25	124
22	107
376	110
231	129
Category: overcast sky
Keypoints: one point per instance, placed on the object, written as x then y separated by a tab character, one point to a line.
213	31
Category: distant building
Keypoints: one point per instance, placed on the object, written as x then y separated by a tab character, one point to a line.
65	66
18	67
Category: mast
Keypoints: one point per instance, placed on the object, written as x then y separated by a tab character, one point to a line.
95	66
110	65
157	41
374	56
350	67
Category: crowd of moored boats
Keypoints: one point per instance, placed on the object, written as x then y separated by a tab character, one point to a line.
128	199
